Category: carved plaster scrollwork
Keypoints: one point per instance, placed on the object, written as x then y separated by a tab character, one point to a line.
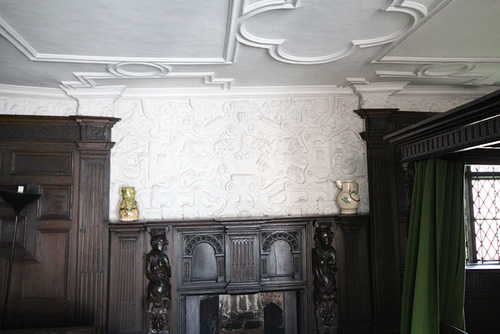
37	107
215	157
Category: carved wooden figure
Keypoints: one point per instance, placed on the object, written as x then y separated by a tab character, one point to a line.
158	272
325	295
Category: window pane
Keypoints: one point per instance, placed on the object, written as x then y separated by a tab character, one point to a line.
485	182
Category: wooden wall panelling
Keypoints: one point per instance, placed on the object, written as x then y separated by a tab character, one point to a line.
42	290
130	244
387	235
64	240
353	244
482	301
127	281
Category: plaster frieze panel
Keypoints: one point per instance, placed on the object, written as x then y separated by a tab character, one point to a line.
36	107
193	158
429	103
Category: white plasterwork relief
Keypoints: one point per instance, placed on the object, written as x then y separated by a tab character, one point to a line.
37	107
432	103
214	157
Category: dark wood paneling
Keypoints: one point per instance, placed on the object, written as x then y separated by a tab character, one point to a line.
130	244
66	160
352	244
56	202
41	163
482	301
388	212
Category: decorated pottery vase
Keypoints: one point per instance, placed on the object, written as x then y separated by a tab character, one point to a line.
348	199
128	205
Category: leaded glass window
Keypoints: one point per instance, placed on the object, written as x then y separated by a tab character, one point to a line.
483	218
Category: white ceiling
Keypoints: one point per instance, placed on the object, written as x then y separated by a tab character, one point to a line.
223	44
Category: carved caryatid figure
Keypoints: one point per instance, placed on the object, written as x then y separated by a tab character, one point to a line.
325	280
158	271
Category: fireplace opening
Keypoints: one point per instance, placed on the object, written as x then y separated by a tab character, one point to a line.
260	313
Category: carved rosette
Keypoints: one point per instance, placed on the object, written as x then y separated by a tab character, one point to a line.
158	272
325	294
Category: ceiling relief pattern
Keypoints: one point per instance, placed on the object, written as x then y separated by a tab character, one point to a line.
226	44
109	32
365	28
212	157
465	74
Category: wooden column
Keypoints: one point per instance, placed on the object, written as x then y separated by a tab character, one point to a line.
92	264
126	309
352	246
388	213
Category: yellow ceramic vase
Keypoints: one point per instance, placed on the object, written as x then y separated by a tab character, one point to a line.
128	205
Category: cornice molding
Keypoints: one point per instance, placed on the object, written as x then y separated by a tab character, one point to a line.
96	101
32	92
253	92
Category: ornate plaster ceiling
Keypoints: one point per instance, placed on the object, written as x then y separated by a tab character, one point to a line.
224	44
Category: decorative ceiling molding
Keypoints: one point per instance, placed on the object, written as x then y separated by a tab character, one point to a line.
421	15
463	72
281	4
231	44
139	69
238	92
426	15
427	60
31	92
119	71
32	54
274	46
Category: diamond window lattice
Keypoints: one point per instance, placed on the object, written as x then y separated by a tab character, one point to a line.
485	181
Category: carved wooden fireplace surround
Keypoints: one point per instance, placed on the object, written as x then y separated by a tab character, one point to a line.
238	257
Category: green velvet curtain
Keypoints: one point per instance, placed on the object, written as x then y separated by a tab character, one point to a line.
434	278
